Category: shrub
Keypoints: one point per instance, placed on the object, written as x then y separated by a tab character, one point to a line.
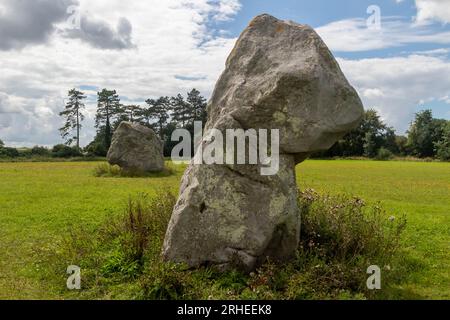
40	151
384	154
9	152
96	149
64	151
24	153
136	237
146	221
444	154
108	170
344	236
165	281
341	237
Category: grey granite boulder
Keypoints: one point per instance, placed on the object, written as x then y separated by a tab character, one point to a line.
136	147
280	75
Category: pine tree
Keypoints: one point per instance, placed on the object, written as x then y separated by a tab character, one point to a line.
197	105
157	114
132	112
73	116
108	108
181	111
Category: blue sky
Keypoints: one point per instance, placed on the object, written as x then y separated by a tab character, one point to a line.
316	13
322	12
145	49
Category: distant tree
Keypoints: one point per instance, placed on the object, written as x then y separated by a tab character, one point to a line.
384	154
132	112
351	145
9	152
424	133
119	118
73	117
121	114
371	135
156	114
167	134
366	140
40	151
390	140
97	146
185	111
197	105
2	144
370	145
443	146
401	143
108	108
181	110
64	151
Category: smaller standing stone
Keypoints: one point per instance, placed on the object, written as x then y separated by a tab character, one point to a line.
136	147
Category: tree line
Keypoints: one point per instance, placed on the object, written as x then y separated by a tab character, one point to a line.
427	136
163	115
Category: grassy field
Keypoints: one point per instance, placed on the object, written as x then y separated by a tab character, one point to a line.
41	202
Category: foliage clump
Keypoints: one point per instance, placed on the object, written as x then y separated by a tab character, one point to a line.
384	154
111	171
341	237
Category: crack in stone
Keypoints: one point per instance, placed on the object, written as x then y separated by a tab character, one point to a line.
246	176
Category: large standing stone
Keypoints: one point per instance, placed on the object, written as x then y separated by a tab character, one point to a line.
136	147
280	75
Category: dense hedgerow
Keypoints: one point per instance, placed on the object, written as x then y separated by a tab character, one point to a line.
341	236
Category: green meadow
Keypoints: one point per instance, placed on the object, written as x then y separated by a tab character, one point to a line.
40	203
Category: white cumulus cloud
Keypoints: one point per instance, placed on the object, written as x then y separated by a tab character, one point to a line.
433	10
396	86
353	35
166	47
